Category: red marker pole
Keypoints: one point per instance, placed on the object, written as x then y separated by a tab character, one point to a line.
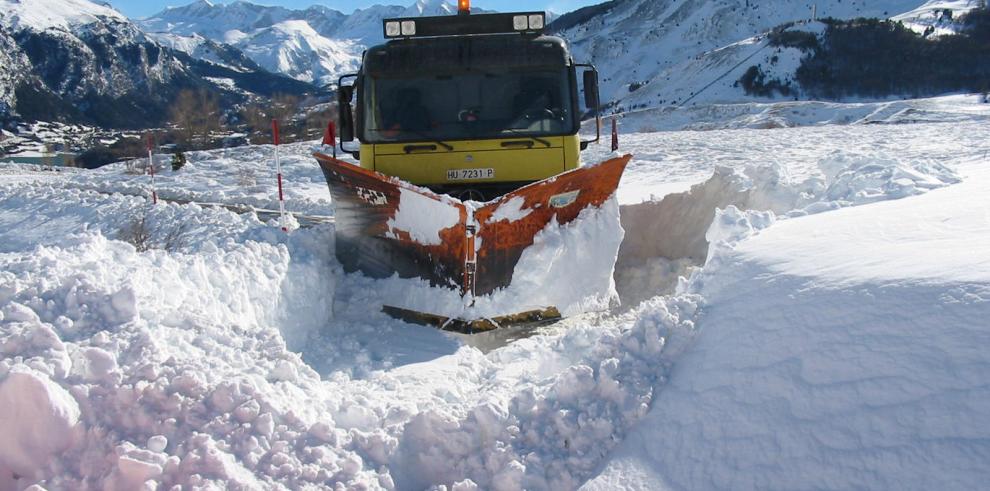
151	166
330	137
615	135
278	170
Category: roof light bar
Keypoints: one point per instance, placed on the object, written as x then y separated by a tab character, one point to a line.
528	22
464	25
463	7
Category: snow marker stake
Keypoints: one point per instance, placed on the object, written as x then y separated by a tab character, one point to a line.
151	165
330	137
278	171
615	135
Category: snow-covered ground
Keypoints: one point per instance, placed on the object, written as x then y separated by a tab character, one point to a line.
768	115
828	332
844	350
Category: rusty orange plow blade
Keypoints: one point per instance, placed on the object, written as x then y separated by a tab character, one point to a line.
385	226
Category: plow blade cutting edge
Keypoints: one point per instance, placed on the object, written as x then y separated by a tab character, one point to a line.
474	326
386	226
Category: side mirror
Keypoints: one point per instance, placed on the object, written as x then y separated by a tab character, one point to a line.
591	90
346	112
591	100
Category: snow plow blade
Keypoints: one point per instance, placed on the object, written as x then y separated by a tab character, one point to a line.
386	226
474	326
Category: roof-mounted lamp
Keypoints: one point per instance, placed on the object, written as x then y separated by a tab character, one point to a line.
463	7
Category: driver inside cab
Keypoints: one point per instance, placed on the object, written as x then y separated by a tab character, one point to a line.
409	114
535	104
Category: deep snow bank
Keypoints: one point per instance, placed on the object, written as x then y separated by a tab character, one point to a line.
173	359
666	239
39	418
181	377
843	350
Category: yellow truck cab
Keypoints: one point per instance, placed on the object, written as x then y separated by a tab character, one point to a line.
470	105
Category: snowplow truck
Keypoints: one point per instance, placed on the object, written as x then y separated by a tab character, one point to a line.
455	117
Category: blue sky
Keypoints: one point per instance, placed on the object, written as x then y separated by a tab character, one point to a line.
144	8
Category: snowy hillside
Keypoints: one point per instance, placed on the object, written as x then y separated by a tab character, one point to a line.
636	40
313	45
788	114
937	15
40	15
828	330
655	54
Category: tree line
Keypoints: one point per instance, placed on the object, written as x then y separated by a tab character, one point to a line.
881	58
197	122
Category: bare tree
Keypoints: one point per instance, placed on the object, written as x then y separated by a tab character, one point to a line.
257	120
196	114
284	107
317	119
255	117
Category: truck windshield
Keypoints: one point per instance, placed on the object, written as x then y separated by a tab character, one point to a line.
496	103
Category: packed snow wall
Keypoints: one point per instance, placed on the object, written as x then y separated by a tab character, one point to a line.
665	239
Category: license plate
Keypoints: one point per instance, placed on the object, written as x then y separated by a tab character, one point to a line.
462	174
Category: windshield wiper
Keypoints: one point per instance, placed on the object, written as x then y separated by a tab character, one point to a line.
419	134
432	139
534	138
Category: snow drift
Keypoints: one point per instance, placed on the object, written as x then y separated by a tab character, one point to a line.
841	350
667	239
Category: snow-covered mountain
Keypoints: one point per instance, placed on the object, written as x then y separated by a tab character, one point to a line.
42	15
636	40
314	45
667	53
661	52
650	52
76	60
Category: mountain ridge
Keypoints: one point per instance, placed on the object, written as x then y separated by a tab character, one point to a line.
315	45
80	62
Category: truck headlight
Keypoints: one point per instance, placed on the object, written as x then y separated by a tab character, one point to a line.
519	22
392	29
536	21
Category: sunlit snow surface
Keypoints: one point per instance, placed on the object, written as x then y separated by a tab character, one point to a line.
835	342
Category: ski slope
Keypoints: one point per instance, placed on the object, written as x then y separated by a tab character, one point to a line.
826	332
